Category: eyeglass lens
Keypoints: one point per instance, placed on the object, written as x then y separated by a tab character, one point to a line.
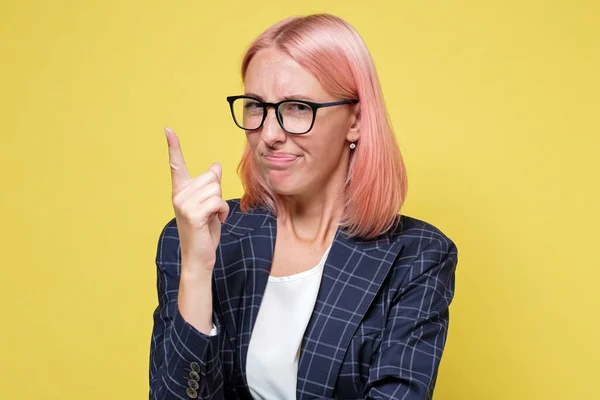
295	117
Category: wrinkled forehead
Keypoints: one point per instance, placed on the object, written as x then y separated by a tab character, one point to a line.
274	75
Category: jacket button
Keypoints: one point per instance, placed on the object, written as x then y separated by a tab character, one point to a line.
195	366
192	394
193	384
194	375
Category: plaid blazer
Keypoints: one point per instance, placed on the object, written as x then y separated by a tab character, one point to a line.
377	331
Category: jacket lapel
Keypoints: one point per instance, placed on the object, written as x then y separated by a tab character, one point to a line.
248	274
353	274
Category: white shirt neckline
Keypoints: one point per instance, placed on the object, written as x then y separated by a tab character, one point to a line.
303	274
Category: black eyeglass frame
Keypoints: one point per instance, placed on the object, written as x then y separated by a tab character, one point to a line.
265	105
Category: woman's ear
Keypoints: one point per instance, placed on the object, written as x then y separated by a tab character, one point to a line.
354	129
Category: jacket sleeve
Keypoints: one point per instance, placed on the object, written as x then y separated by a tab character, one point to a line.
184	363
406	364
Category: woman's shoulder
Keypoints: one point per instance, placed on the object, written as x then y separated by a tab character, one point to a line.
417	234
235	209
242	222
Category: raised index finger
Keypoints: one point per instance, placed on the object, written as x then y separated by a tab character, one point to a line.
179	172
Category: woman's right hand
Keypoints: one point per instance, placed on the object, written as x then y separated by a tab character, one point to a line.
199	210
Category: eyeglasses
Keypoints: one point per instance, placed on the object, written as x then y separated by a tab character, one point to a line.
294	116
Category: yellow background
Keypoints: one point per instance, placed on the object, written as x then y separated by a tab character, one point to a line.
495	106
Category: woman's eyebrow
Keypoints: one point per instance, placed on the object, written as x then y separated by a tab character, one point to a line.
254	95
297	97
286	97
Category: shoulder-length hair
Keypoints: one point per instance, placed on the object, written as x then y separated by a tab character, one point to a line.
332	50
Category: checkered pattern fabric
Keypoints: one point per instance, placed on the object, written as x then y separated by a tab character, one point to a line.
377	331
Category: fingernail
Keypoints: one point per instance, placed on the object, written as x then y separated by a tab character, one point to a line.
168	130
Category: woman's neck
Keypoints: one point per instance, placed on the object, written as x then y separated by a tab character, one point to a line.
312	220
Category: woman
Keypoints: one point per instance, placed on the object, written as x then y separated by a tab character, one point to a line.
311	285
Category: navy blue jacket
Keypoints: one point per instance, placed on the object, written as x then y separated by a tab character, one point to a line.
377	331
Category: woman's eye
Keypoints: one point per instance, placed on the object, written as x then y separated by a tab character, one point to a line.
299	107
253	108
252	105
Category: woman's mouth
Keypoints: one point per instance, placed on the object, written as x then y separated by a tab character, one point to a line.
279	161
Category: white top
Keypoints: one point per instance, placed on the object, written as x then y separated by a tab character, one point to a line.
286	307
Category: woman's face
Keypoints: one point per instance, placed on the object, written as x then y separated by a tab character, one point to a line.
306	164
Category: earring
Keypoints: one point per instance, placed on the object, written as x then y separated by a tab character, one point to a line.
352	146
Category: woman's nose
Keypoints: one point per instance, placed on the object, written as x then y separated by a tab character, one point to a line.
271	130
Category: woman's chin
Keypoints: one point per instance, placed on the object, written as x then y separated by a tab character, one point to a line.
284	186
285	190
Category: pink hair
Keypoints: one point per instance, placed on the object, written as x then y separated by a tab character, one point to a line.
330	49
